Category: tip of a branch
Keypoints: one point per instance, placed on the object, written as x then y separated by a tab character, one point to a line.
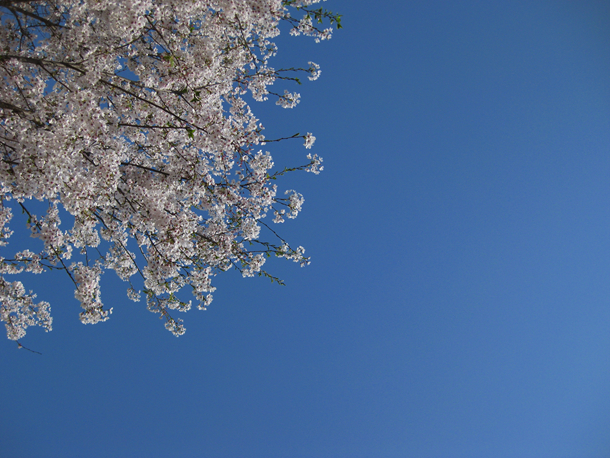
19	346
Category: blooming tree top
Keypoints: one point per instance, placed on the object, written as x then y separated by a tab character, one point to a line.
131	116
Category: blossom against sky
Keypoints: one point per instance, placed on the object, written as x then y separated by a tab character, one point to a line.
457	303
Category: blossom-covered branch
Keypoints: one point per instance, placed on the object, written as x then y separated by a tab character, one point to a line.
131	117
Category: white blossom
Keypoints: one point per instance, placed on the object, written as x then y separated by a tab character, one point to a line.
289	99
309	140
295	203
128	119
314	166
18	310
314	70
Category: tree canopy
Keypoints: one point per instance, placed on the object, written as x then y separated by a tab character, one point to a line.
131	118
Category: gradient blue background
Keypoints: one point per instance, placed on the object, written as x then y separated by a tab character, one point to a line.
458	302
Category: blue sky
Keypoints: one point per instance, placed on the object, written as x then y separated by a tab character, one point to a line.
457	304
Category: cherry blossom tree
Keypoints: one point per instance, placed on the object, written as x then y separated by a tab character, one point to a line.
129	120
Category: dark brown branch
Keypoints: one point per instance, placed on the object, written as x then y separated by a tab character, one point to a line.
9	106
145	168
46	22
41	62
26	348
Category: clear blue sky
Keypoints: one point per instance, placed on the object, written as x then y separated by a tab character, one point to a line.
458	302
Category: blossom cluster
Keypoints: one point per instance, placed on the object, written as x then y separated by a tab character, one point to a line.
131	117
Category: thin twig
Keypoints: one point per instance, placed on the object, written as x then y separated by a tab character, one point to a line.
26	348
